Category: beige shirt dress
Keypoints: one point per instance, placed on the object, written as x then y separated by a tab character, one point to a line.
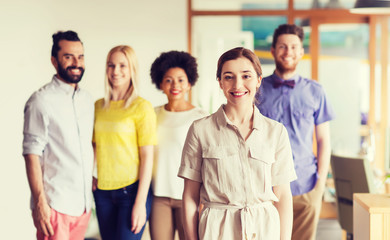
237	175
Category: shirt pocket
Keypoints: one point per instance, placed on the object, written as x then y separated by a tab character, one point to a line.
260	161
304	117
221	169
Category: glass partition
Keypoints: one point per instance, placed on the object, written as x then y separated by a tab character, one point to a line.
213	35
344	74
222	5
262	29
333	4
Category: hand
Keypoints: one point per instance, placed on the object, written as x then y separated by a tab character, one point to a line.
41	215
138	217
94	183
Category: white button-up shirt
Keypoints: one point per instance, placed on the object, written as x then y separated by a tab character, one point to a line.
58	127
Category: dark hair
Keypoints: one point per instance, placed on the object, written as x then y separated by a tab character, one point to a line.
172	59
57	37
287	29
239	52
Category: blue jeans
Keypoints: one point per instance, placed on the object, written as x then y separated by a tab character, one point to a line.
113	210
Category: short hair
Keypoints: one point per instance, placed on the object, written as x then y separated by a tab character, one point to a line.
287	29
132	92
57	37
239	52
172	59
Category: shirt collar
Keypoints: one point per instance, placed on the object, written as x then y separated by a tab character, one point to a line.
64	86
223	120
257	117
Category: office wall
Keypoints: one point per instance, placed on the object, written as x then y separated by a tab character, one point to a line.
150	26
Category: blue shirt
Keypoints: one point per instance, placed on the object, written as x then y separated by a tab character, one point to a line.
58	127
298	109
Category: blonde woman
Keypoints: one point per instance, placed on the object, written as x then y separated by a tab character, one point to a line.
237	163
124	136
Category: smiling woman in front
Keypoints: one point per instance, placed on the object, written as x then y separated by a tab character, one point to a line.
237	163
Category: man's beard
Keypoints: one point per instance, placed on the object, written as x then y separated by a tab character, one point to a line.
68	77
283	69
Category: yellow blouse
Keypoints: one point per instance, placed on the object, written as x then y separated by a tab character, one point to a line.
118	133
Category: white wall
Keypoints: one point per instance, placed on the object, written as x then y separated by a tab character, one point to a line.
150	27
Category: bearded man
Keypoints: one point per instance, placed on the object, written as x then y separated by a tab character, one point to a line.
301	106
57	145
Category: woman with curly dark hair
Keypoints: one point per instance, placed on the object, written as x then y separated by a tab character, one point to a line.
174	73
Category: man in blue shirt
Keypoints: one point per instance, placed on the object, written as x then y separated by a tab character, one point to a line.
301	105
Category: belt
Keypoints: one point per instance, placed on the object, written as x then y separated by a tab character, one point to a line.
246	226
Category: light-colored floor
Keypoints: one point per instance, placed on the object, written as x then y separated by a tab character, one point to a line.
328	229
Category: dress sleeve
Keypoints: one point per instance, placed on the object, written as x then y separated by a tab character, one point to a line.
35	130
191	160
146	125
283	169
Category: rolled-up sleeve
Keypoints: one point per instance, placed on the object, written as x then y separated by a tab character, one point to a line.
35	130
191	161
283	169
